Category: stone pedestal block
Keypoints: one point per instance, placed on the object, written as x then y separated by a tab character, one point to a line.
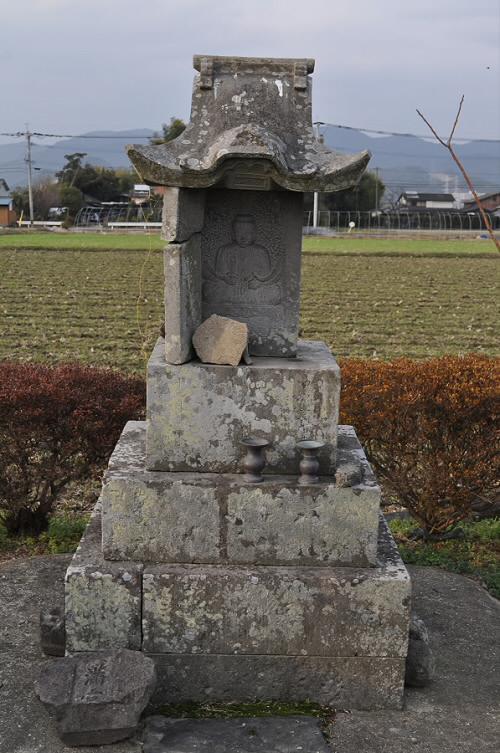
155	516
103	599
197	414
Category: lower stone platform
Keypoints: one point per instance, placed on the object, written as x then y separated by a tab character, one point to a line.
334	635
342	682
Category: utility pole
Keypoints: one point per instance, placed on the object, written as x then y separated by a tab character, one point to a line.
376	189
316	195
28	135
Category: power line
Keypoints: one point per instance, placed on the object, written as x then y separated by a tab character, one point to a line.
19	134
404	135
22	134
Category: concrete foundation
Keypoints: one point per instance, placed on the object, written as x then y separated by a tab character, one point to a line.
158	517
197	414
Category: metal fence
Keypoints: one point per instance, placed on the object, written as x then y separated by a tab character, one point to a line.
391	221
123	215
117	214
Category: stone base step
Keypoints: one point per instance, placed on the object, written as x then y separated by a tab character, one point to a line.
334	635
160	517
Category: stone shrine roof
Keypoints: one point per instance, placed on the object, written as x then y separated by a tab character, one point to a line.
251	127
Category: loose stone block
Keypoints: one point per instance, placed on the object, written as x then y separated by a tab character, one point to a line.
53	632
155	516
197	413
103	599
420	665
98	697
346	682
182	263
220	340
277	610
247	735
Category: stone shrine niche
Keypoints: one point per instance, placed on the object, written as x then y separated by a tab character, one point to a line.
250	261
233	220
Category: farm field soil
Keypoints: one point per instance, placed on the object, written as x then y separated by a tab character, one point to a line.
337	245
104	307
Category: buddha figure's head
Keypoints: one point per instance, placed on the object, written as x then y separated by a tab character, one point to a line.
244	229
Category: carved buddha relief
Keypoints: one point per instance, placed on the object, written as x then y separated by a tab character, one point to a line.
250	259
243	270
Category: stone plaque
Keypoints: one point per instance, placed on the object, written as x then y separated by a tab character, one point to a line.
250	250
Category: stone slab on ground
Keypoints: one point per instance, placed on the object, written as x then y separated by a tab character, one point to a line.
248	735
97	698
458	713
147	516
197	414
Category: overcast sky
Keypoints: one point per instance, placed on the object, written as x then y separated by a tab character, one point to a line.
70	66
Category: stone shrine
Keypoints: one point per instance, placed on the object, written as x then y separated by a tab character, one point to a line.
240	586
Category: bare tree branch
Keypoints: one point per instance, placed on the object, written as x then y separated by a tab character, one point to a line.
456	120
441	141
448	145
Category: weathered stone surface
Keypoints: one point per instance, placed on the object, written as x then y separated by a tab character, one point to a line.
182	264
249	735
183	214
220	340
351	682
277	610
103	599
53	631
420	666
155	516
250	250
251	125
197	414
151	516
98	697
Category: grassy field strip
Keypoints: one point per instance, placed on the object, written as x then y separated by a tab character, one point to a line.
339	245
71	305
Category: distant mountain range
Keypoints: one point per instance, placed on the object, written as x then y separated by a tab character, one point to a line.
404	163
108	150
407	163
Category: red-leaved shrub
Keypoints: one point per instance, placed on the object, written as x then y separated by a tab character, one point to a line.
430	429
56	424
